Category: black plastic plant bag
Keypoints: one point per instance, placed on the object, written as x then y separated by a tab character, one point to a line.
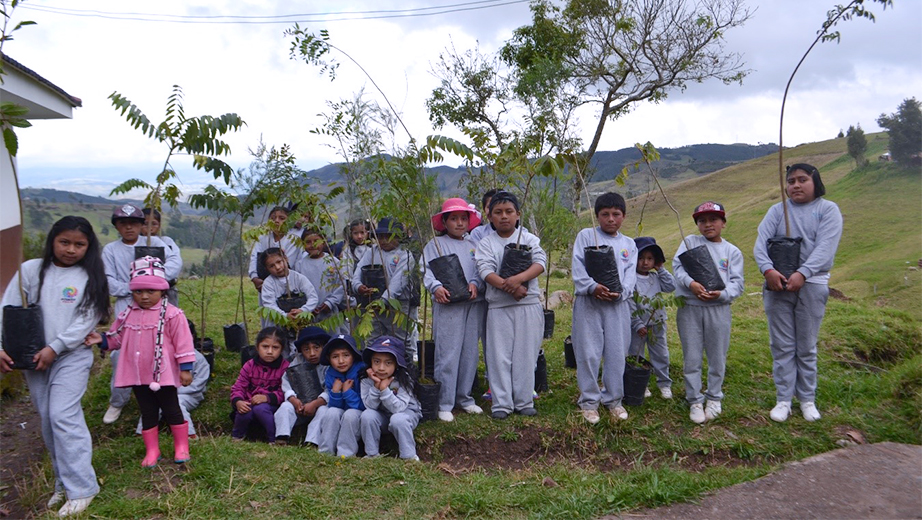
235	336
636	378
304	382
785	254
516	259
262	272
448	271
206	347
247	353
291	301
601	267
548	323
428	396
23	334
699	264
154	251
541	373
569	356
373	277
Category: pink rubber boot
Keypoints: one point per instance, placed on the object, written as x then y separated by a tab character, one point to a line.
152	443
181	442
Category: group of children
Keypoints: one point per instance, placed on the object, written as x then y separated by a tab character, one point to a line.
370	390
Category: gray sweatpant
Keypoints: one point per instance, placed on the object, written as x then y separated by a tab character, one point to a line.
339	432
187	403
514	335
793	323
118	397
704	330
56	393
601	335
401	424
655	343
286	419
457	327
313	428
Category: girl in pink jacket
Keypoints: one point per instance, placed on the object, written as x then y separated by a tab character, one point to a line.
157	356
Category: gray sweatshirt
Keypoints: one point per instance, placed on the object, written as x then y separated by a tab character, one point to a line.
489	256
398	263
625	258
62	293
393	400
729	262
466	250
117	257
326	276
818	223
649	285
274	287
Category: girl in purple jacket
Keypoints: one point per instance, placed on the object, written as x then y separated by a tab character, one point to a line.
258	390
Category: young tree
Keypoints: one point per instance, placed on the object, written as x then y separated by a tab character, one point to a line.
905	130
857	145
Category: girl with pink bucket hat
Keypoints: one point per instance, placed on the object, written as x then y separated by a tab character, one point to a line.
157	356
450	274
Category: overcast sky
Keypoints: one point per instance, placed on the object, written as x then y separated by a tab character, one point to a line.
245	68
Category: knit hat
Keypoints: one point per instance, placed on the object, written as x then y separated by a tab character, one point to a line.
650	243
148	273
710	207
452	205
385	345
128	211
339	341
312	334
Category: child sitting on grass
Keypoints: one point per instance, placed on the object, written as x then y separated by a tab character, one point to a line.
601	317
293	412
388	396
339	424
648	326
257	392
704	321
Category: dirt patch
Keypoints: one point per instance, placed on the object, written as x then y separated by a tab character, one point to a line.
838	295
519	449
22	447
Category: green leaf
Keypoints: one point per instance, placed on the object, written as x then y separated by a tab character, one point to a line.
10	141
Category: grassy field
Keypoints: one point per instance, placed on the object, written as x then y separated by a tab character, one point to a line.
556	465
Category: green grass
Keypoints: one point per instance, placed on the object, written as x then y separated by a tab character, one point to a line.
870	379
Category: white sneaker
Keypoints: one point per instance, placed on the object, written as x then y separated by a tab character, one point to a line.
591	416
112	415
665	392
56	499
781	411
696	413
810	412
72	507
446	416
473	409
618	412
646	392
712	410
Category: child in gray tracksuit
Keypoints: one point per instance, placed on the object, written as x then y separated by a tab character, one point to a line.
648	326
704	322
515	319
601	317
388	396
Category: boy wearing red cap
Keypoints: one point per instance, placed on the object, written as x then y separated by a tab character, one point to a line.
704	322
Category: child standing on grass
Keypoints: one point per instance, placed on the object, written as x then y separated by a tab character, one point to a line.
69	282
292	412
158	356
398	264
648	326
795	305
341	418
257	392
704	321
276	238
456	326
117	257
602	318
323	271
388	396
515	320
190	397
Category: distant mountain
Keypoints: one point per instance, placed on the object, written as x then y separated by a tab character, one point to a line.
49	195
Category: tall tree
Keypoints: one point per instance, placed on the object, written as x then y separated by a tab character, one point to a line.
857	145
905	130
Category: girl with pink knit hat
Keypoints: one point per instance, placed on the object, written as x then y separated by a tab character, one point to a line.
157	356
450	274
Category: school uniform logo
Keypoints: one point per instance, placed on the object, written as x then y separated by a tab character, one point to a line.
69	295
473	253
723	265
394	262
625	254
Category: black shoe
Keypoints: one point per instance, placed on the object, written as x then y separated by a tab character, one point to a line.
499	414
528	412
